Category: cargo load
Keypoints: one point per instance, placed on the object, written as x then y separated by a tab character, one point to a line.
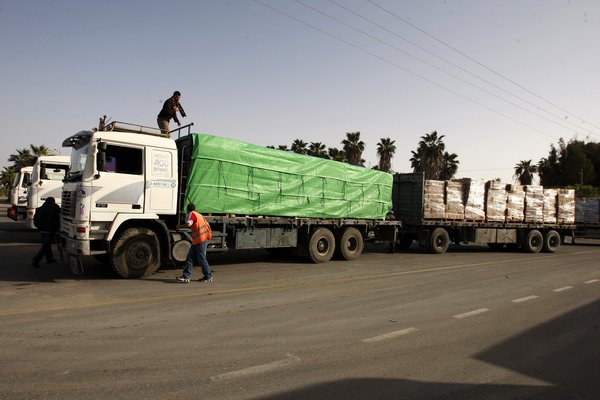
228	176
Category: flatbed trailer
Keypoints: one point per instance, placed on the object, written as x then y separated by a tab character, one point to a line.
437	234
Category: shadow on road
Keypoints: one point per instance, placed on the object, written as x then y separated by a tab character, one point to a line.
564	352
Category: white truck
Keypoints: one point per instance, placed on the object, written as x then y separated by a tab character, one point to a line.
18	194
128	186
47	178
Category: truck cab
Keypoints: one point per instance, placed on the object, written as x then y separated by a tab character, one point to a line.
46	181
120	196
18	194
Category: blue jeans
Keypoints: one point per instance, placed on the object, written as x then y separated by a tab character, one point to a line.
197	252
46	250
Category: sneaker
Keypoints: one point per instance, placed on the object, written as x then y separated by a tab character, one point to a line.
205	279
183	279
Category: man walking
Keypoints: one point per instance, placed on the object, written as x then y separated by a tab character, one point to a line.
47	220
169	110
201	234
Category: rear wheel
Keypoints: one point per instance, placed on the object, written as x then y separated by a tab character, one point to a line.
439	241
321	245
534	241
350	244
551	241
136	253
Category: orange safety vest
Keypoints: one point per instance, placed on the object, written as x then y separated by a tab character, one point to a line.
200	229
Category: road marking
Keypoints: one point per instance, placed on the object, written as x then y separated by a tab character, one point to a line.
593	281
471	313
390	335
562	289
523	299
257	369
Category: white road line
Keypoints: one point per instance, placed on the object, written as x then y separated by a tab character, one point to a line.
390	335
471	313
593	281
523	299
257	369
562	289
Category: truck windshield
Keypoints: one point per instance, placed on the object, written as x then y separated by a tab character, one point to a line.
79	157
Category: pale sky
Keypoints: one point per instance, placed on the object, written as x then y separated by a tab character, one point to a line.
271	71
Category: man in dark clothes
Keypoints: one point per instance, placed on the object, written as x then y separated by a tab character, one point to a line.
47	220
169	110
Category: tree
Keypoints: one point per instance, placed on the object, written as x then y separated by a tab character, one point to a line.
7	177
353	147
385	150
524	172
317	149
282	147
573	163
299	146
23	158
336	154
449	166
429	156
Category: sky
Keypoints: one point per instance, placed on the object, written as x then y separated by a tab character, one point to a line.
502	80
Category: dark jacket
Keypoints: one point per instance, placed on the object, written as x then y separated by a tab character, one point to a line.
47	217
169	110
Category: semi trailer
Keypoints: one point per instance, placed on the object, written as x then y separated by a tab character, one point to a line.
18	194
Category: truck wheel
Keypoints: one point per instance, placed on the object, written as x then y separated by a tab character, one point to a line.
321	245
551	242
350	244
136	253
534	241
439	241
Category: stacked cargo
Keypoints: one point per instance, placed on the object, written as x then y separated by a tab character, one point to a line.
434	206
592	212
475	199
550	206
495	201
455	207
534	204
515	203
566	206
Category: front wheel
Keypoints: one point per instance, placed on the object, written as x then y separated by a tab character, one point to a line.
321	245
136	253
439	241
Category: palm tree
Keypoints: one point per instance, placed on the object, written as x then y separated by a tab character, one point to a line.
39	150
7	176
282	147
336	154
385	150
449	166
524	172
353	147
299	146
23	158
429	156
317	149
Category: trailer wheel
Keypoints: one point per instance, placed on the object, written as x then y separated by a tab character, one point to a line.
534	241
439	241
350	244
551	242
321	245
136	253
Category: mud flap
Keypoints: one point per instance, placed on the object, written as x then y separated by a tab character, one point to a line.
75	264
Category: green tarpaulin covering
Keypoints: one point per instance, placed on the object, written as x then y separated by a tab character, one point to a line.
231	177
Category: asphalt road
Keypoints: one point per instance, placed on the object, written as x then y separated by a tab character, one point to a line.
469	324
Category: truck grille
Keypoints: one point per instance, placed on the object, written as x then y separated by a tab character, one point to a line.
68	204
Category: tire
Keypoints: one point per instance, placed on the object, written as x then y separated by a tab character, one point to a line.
439	241
534	241
321	246
349	246
552	241
136	253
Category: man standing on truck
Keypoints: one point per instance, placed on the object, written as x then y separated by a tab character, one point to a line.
169	110
201	234
47	220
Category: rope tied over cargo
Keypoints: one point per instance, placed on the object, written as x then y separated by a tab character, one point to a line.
301	193
221	173
250	182
323	183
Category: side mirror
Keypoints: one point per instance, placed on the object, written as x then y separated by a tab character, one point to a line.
101	160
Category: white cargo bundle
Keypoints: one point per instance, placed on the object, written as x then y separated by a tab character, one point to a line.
515	203
455	207
566	206
534	203
434	206
475	199
496	202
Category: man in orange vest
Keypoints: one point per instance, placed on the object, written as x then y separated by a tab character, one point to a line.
201	235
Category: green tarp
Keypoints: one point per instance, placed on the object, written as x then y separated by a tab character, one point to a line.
232	177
